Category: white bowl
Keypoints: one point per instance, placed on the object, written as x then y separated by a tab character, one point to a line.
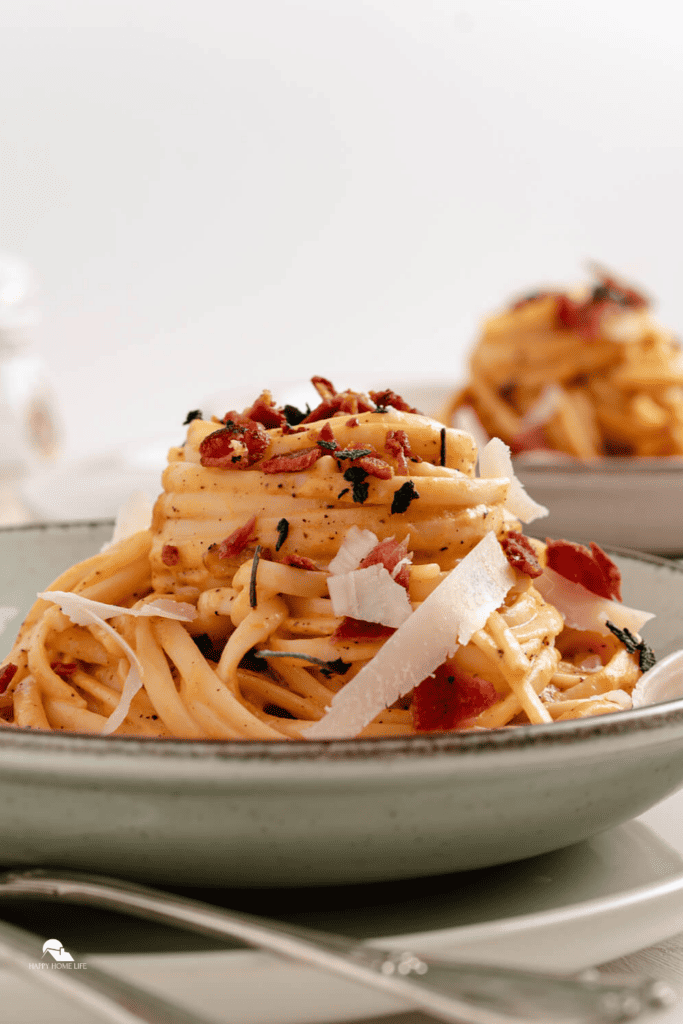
303	813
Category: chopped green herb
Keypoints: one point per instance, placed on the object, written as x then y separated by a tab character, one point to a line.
294	416
403	497
380	408
646	656
252	581
328	668
442	453
330	445
282	531
342	493
352	453
356	476
193	414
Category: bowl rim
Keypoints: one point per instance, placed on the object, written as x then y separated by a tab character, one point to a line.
464	744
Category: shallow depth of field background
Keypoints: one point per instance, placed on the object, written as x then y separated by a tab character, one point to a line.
226	192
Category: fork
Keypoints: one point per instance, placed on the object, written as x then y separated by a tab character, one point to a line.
453	992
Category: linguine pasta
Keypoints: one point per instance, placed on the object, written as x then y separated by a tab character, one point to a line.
340	572
591	374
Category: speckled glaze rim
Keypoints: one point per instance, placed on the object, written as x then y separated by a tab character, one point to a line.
631	469
465	744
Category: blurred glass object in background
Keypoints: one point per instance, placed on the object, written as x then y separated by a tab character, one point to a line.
29	426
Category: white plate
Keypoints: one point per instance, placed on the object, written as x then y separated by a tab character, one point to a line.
564	911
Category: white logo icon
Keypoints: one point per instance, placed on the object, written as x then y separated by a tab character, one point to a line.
56	950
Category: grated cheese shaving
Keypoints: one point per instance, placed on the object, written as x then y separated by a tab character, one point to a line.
495	461
370	594
451	614
356	545
581	609
84	612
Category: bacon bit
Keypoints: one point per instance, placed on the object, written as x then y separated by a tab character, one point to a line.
266	412
389	397
609	295
324	387
170	555
389	553
398	444
592	569
292	462
521	555
370	461
532	439
449	699
193	414
217	450
7	674
375	466
327	440
64	669
344	402
353	422
236	542
357	629
300	562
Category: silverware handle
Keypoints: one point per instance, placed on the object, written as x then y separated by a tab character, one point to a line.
109	997
451	992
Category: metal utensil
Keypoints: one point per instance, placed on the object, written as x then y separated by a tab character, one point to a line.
453	992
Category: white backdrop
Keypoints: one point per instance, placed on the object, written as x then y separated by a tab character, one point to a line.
220	192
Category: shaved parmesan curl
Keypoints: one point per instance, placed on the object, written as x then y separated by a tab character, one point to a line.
451	614
84	612
581	609
495	461
370	594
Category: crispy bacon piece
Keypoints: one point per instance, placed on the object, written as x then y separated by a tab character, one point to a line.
300	562
584	317
327	440
218	449
358	629
390	397
370	461
170	555
609	295
389	553
345	402
64	669
353	422
292	462
593	569
7	674
398	444
266	412
236	542
521	555
450	699
532	439
334	401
